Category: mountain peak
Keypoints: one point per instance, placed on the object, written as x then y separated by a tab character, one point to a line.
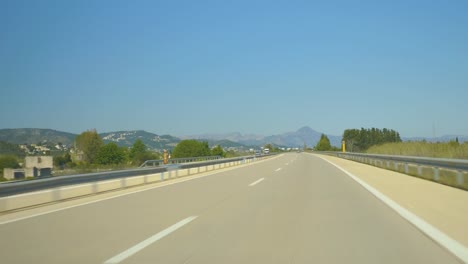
306	129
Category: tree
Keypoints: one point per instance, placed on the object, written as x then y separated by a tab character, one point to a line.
323	144
139	153
89	143
218	151
110	154
61	161
191	148
8	162
268	146
360	140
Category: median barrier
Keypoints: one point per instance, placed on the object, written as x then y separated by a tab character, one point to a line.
25	200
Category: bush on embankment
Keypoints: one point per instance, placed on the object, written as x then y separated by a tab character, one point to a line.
450	150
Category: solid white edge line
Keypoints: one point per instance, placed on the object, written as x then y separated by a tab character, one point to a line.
278	169
255	182
140	246
444	240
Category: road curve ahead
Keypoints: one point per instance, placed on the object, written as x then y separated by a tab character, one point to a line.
296	208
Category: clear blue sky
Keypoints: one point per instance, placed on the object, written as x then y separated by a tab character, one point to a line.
265	67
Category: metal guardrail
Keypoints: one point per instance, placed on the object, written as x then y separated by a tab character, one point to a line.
454	164
451	172
19	187
60	181
160	162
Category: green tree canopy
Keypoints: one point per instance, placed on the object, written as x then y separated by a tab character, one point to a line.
268	146
218	151
191	148
61	161
89	142
323	144
138	148
8	161
110	154
139	153
362	139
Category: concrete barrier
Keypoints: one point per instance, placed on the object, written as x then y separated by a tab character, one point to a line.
21	201
452	177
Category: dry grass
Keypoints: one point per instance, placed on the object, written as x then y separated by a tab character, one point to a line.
451	150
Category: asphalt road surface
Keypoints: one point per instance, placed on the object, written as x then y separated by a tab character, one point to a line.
295	208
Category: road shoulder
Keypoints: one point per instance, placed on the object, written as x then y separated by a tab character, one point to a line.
443	207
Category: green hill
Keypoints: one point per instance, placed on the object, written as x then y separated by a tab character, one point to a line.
151	140
35	136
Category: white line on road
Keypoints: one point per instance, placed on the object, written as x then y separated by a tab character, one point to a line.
133	250
452	245
278	169
148	188
255	182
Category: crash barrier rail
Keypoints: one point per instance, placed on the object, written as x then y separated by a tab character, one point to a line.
20	195
451	172
160	162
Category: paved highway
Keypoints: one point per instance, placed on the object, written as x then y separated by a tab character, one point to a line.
294	208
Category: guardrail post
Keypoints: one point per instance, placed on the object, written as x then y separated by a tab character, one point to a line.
419	170
406	168
460	179
436	174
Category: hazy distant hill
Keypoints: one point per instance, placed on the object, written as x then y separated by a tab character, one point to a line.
36	135
122	138
225	143
233	137
10	149
151	140
290	139
303	135
156	142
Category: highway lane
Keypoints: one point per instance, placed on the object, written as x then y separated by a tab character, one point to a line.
295	208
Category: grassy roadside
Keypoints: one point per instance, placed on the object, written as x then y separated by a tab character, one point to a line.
451	150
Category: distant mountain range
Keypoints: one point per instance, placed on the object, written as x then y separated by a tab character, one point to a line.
304	135
35	136
52	137
122	138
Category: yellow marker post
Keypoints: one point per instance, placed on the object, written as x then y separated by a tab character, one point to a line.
165	157
343	145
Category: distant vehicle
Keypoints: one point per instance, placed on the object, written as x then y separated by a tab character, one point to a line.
258	153
266	151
